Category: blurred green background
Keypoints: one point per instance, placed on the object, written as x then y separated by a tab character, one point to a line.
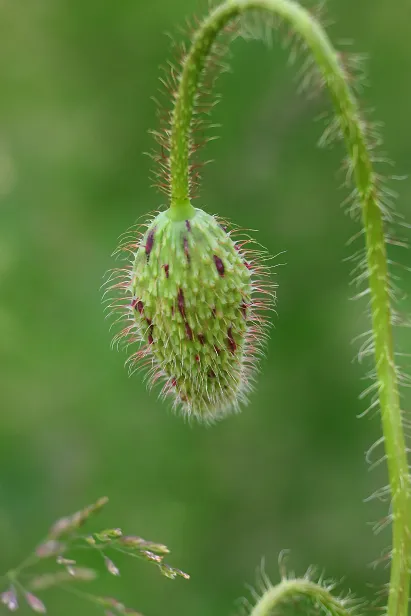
288	472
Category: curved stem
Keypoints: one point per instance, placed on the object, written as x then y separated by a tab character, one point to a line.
354	131
295	588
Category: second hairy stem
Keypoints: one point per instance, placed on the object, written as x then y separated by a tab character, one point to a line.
353	129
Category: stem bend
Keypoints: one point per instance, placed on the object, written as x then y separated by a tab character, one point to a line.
354	131
297	588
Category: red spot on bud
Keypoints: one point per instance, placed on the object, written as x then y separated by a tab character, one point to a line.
189	331
166	270
149	243
243	309
186	249
188	225
247	264
140	306
180	302
219	265
197	358
150	331
217	350
137	304
230	341
201	338
174	382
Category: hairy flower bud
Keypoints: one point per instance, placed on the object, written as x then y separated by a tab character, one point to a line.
194	311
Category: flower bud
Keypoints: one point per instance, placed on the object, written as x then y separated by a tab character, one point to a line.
9	599
111	567
192	304
49	548
35	603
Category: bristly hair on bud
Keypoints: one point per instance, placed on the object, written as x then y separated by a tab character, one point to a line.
192	296
193	299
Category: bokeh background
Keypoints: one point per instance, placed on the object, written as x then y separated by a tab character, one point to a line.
288	472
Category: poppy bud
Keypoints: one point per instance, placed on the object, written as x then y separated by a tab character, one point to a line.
194	311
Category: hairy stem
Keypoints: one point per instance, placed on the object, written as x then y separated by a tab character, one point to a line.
354	131
298	588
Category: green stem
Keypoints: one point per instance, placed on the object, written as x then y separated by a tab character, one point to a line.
297	588
30	561
79	593
353	128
